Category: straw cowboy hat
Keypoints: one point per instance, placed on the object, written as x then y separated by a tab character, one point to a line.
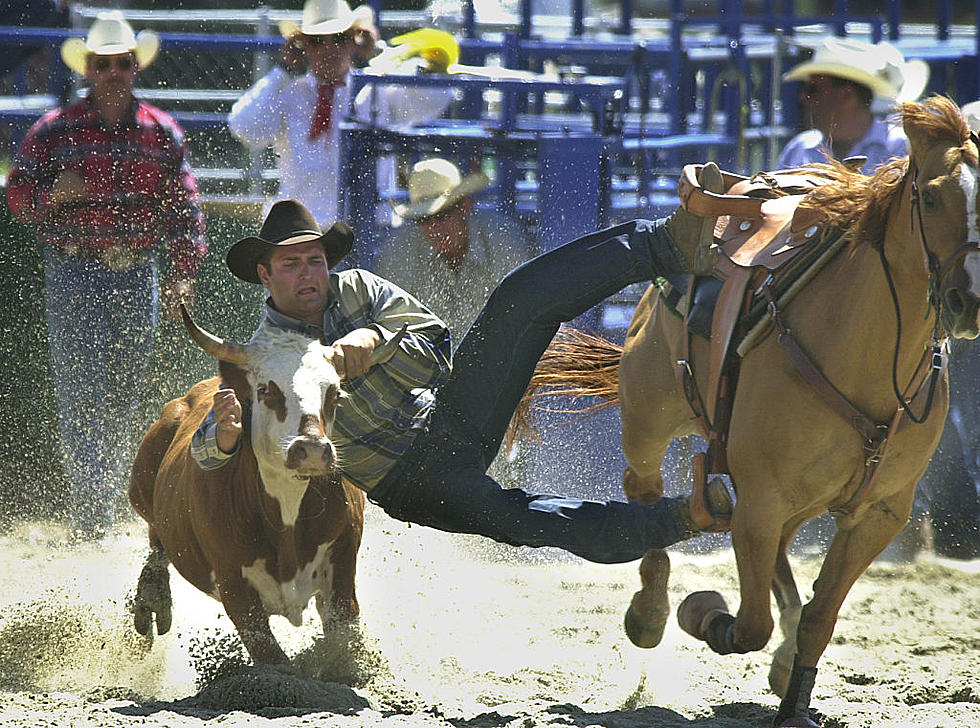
879	66
110	35
436	184
328	17
288	223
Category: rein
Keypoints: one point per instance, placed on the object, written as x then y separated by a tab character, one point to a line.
937	271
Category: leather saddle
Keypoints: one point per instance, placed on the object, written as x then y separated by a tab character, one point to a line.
763	233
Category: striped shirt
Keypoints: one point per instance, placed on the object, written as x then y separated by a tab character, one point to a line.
140	186
387	407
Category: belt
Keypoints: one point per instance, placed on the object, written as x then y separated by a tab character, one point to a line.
116	259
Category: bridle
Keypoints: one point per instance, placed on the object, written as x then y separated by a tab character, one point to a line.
937	272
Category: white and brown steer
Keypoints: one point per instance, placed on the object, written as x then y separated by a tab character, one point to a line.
274	526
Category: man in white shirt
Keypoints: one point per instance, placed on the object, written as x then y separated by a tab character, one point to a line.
298	111
844	83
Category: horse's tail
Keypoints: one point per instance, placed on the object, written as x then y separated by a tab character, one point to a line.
576	364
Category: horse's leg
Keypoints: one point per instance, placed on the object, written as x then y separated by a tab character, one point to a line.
757	546
790	607
854	547
649	609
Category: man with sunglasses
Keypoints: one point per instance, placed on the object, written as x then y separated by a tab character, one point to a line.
297	107
448	252
844	85
101	181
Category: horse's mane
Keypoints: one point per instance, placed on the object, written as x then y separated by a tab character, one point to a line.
859	204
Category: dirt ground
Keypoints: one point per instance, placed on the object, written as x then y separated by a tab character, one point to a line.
457	631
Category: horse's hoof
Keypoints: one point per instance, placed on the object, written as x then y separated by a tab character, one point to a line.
650	608
698	609
797	721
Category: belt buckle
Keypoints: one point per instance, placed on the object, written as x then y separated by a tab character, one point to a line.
117	259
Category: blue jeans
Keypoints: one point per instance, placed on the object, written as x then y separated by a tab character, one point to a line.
442	482
100	329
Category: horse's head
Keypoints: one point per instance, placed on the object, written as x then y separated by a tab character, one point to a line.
946	208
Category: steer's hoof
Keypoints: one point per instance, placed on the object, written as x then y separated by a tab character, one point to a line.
698	609
142	619
650	608
153	598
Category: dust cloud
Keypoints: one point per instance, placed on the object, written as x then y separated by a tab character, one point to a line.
460	631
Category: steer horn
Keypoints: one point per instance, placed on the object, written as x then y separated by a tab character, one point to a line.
387	350
220	349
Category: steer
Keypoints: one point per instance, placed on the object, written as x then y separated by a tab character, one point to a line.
274	526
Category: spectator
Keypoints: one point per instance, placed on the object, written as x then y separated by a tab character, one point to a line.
844	83
418	431
101	181
450	254
298	111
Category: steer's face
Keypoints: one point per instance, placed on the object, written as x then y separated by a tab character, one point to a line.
296	392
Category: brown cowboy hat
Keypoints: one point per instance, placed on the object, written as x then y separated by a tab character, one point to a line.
288	223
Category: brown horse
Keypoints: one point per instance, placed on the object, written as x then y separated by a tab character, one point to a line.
912	230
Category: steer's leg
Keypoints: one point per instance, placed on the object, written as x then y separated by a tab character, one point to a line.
153	593
342	606
244	608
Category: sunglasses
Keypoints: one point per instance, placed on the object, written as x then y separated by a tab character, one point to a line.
104	63
335	39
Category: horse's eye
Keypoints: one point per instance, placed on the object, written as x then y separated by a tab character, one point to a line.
260	390
928	198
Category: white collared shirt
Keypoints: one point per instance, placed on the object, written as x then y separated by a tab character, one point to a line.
278	111
882	142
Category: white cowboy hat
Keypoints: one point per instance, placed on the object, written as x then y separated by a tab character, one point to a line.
436	184
879	66
328	17
110	35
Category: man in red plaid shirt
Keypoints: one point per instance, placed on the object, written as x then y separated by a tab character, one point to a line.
101	181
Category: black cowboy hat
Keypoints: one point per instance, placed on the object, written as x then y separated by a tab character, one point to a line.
288	223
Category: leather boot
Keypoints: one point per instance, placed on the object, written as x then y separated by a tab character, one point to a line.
694	235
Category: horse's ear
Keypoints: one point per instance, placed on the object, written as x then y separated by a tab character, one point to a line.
919	140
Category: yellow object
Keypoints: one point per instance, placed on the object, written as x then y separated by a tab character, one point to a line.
437	47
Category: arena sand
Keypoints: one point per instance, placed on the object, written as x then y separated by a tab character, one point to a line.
458	631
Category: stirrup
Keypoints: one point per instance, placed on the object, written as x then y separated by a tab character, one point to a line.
705	517
706	251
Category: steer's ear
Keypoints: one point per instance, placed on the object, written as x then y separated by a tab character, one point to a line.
387	350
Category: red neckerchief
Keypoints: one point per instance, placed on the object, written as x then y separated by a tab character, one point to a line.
324	108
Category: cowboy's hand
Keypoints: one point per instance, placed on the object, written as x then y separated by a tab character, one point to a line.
173	291
352	352
365	42
292	57
228	415
68	187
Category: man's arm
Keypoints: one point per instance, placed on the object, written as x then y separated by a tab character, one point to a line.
424	356
184	223
399	105
33	179
219	436
257	117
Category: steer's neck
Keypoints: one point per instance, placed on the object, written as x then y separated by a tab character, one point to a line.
283	488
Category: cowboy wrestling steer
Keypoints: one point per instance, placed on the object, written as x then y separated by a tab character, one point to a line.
277	524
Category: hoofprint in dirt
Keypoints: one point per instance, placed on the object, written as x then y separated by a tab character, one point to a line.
456	630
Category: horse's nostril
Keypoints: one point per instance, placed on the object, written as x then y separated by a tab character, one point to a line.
299	452
955	302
